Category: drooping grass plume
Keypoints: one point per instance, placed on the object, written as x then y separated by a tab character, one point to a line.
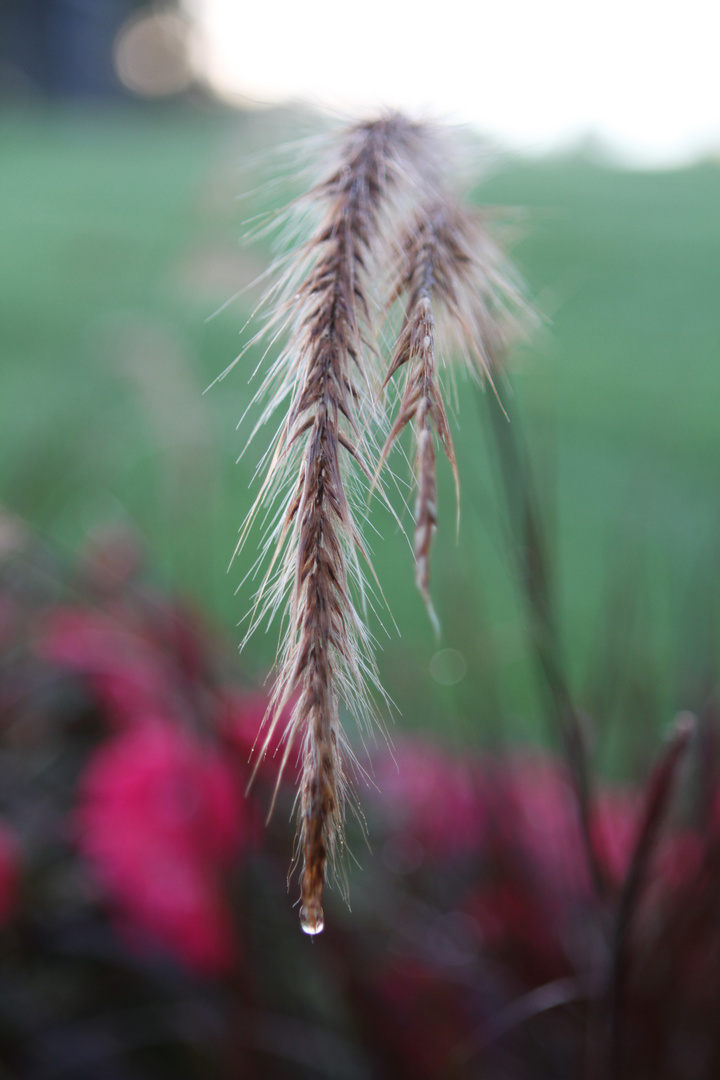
385	227
324	305
448	262
421	399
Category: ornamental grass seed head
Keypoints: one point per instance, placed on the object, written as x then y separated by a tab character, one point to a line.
385	229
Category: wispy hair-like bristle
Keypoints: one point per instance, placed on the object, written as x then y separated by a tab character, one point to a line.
314	546
382	226
448	261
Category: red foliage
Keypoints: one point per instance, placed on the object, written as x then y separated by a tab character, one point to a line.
126	672
492	935
242	726
432	798
418	1016
135	658
9	873
160	818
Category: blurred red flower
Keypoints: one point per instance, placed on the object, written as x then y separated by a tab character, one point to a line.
535	820
432	799
160	819
123	669
244	728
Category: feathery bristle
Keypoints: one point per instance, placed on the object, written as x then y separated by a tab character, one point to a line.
448	259
326	309
383	200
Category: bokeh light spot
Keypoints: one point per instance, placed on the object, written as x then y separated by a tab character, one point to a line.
448	667
152	55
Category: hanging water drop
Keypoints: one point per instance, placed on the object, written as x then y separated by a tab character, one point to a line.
312	920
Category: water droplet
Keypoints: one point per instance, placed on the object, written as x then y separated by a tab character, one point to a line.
311	919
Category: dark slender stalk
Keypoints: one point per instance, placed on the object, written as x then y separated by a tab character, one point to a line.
529	547
658	793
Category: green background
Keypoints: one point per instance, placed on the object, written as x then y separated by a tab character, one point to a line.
121	233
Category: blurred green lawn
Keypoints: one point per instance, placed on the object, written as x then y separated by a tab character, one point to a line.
120	235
